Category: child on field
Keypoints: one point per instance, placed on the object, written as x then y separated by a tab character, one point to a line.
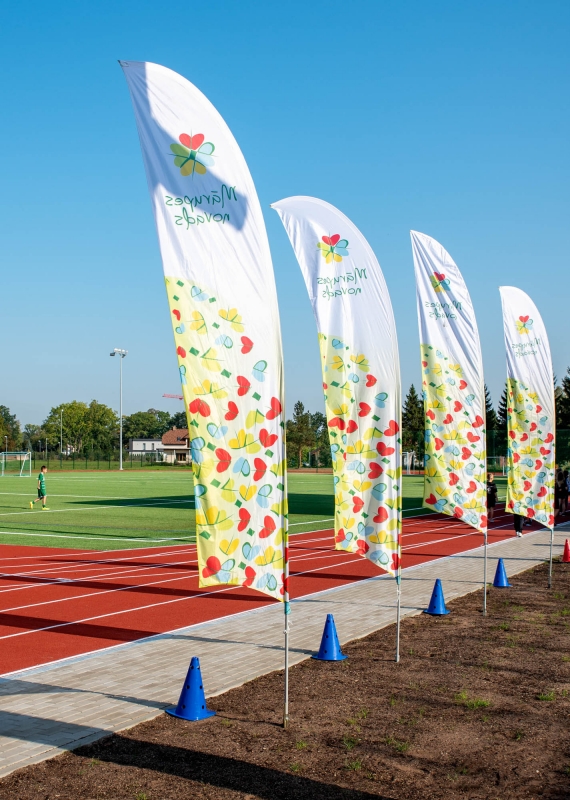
42	494
491	496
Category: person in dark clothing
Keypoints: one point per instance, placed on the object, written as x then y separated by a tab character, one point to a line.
518	520
491	496
560	495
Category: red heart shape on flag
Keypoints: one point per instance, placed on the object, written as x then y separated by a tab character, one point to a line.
471	488
244	518
232	411
375	470
392	428
243	384
439	275
538	463
275	409
266	438
213	565
533	427
199	407
340	537
512	434
192	142
524	319
176	313
381	515
430	414
337	422
370	380
260	468
524	437
551	520
352	426
465	453
457	406
384	450
224	459
530	513
544	451
395	562
538	409
472	437
438	444
249	576
542	492
478	421
453	479
247	344
516	458
424	363
268	527
327	240
181	352
549	438
463	384
431	500
511	503
362	547
483	520
335	239
357	505
527	485
364	409
458	512
447	419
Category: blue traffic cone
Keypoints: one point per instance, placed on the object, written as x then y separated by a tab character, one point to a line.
501	581
192	703
330	645
437	603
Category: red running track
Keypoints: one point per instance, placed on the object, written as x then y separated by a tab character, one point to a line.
56	603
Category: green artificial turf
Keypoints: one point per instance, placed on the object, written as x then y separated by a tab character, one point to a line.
113	510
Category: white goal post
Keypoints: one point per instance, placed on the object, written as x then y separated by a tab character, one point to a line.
16	464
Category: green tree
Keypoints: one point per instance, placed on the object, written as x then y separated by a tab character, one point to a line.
321	439
502	410
563	403
9	427
490	413
149	424
413	421
84	427
178	420
32	436
300	434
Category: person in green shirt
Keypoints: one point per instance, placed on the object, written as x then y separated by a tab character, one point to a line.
42	494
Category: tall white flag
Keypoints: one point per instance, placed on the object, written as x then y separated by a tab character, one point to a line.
453	387
223	307
531	409
361	374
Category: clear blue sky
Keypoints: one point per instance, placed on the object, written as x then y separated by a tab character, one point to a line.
451	118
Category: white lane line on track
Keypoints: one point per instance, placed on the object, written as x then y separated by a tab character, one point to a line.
94	508
143	608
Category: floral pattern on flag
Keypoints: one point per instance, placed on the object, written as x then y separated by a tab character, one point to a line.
235	434
455	474
365	443
530	488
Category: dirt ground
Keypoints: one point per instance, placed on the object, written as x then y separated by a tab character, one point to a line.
477	708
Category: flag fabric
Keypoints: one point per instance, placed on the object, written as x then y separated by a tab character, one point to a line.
531	409
453	387
223	307
361	375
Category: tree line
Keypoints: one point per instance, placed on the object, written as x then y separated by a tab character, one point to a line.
93	426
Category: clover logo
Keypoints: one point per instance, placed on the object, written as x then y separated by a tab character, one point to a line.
333	248
193	154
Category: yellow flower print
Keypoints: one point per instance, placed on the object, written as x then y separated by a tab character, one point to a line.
232	316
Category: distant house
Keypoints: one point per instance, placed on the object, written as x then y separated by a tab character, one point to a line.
138	446
176	446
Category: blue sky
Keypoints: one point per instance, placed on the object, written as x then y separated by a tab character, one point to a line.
444	117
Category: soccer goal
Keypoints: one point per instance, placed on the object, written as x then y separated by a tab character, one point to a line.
16	465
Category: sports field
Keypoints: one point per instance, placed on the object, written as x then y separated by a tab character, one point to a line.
106	511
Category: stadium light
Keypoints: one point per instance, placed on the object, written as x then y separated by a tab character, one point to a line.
122	353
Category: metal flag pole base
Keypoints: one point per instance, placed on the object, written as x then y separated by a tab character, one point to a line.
550	560
398	598
287	611
485	575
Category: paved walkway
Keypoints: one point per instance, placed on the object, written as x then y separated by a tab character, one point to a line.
46	710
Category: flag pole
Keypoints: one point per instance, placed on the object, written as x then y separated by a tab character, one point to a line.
286	611
550	562
485	573
398	599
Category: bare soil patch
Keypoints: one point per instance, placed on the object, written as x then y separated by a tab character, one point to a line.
477	708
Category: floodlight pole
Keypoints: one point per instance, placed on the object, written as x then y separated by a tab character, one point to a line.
61	431
122	353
